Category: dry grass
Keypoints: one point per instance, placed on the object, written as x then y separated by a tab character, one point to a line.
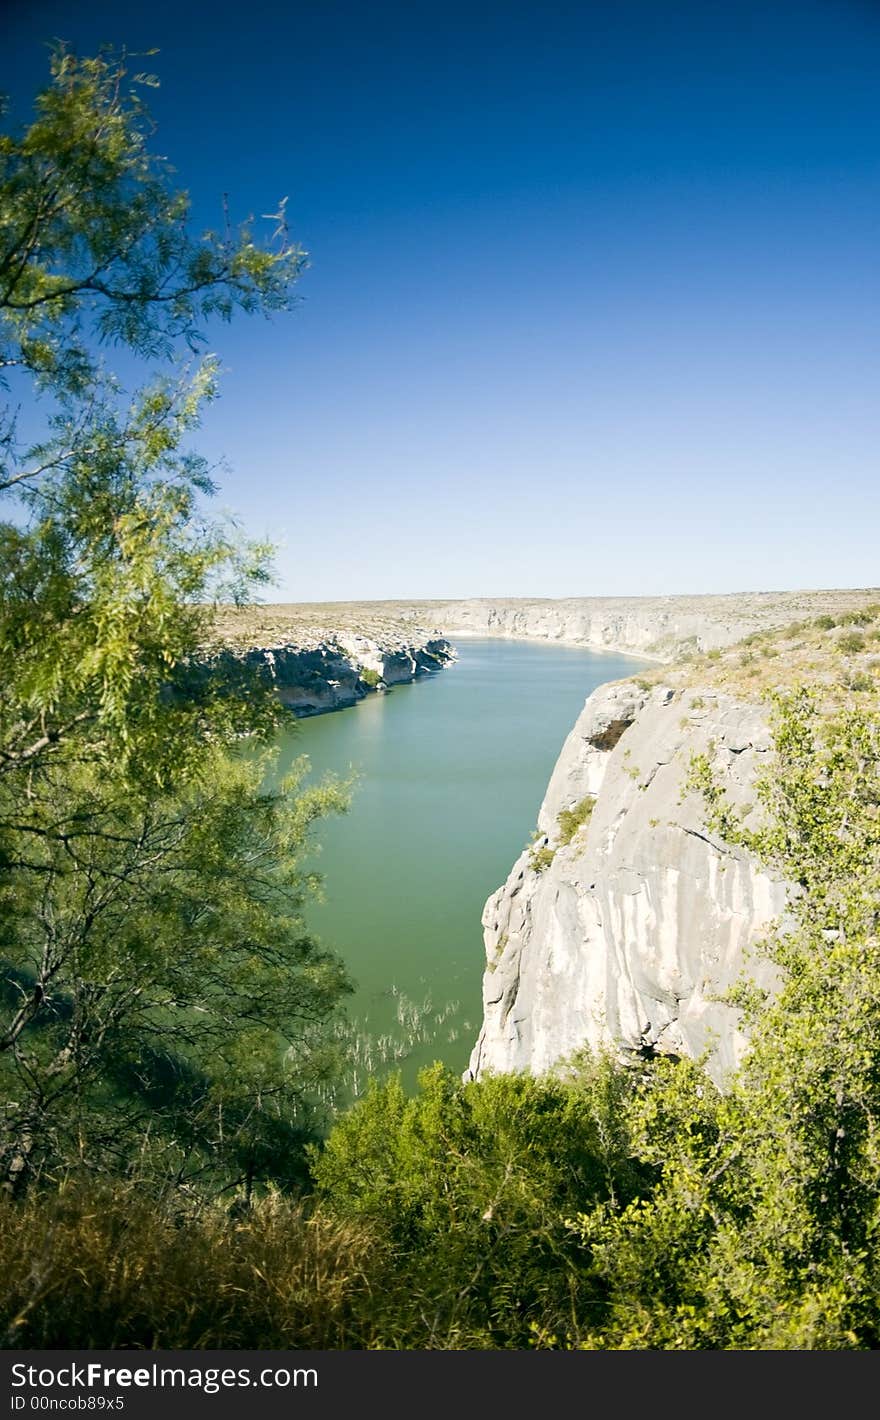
308	624
838	655
82	1269
724	618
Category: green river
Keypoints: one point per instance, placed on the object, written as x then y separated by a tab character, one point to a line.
451	773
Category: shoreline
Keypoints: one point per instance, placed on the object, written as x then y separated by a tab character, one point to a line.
609	647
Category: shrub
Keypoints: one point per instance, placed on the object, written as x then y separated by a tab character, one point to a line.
760	1231
541	858
575	818
469	1186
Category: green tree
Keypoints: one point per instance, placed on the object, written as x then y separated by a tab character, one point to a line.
763	1227
163	1007
467	1186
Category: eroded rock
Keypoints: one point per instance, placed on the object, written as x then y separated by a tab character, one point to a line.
643	919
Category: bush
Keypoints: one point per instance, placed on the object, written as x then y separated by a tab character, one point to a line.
573	819
760	1230
469	1186
440	1221
541	858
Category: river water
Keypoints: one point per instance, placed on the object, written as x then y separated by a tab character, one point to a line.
451	773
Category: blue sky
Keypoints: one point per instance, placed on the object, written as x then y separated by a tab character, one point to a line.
593	298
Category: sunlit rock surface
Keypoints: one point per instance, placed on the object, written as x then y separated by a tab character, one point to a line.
643	918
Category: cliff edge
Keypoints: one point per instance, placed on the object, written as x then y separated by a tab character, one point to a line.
656	628
326	657
625	919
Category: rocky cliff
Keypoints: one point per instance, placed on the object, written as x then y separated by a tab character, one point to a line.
659	628
625	918
339	671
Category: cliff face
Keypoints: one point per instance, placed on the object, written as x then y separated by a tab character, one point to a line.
337	673
630	930
652	631
656	627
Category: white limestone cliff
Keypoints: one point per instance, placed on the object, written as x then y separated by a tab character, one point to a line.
337	672
637	924
660	628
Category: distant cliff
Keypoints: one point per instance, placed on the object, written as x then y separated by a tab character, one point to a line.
625	919
659	628
339	671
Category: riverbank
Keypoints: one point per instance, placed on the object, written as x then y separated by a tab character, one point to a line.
661	629
449	774
329	658
381	637
627	922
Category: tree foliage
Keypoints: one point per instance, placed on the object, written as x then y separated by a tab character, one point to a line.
162	1003
95	236
468	1187
617	1207
762	1230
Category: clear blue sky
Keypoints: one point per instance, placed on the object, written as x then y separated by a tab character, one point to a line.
593	302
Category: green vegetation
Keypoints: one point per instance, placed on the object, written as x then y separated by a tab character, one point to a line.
112	1265
163	1012
468	1186
854	680
811	651
541	857
571	820
765	1207
370	677
439	1221
623	1206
